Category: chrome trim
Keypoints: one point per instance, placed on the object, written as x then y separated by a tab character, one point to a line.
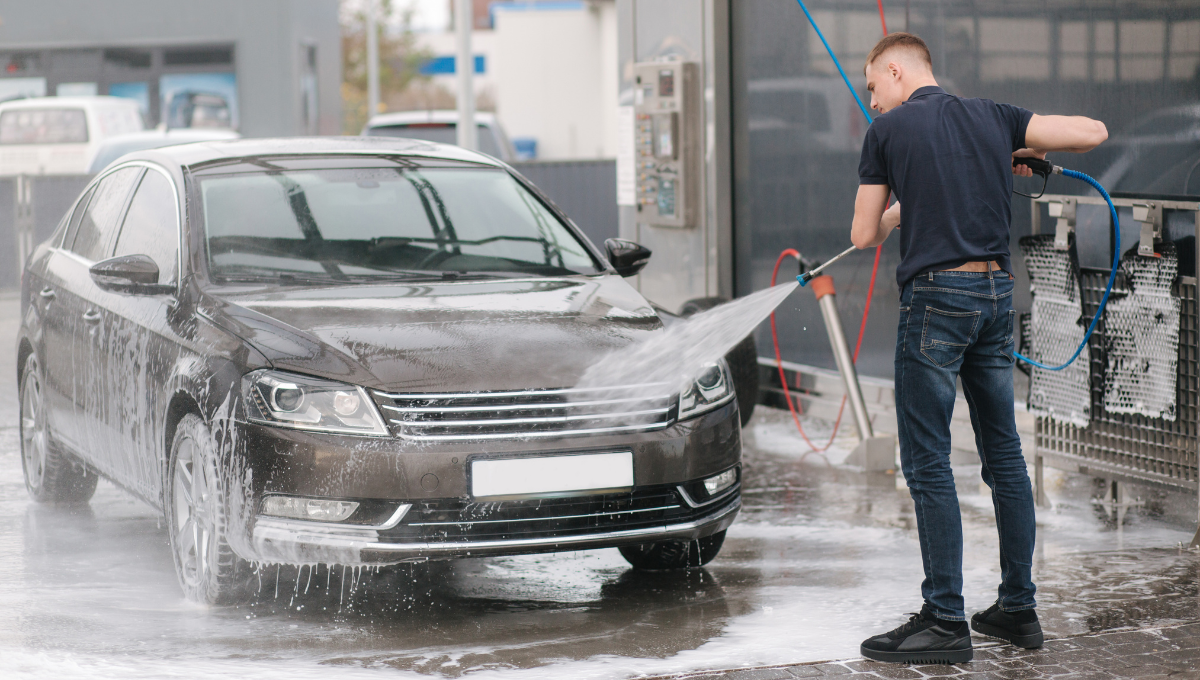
521	393
335	528
708	408
540	519
271	531
688	499
401	511
520	407
526	435
535	419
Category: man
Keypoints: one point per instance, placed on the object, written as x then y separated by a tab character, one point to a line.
949	160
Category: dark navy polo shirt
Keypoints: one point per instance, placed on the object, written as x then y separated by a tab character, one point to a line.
948	160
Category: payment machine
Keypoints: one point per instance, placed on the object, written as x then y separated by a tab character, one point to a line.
667	142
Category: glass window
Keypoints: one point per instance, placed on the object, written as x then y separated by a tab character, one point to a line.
383	222
95	228
150	226
76	216
43	126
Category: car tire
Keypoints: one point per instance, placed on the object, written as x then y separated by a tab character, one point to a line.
670	555
742	360
51	476
197	513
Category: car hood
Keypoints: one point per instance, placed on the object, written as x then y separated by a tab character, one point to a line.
440	336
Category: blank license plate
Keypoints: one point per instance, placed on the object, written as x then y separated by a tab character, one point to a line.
551	474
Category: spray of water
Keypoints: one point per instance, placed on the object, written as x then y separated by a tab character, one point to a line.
674	358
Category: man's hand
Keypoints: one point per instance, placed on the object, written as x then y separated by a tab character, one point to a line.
869	227
1025	170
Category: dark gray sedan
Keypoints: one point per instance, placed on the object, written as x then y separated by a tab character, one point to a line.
358	352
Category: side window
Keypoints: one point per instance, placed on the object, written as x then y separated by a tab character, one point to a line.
93	235
80	208
150	226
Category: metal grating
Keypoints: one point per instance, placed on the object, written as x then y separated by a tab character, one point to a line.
1131	444
1058	326
1143	333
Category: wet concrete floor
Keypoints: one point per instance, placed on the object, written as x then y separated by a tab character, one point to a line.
821	557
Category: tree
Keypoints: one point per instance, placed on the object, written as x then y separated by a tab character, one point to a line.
399	58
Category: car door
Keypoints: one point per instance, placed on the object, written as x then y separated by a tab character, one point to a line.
59	308
143	343
92	242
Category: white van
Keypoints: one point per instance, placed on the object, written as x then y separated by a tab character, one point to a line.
60	135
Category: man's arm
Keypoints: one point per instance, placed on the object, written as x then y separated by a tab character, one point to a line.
1075	134
872	224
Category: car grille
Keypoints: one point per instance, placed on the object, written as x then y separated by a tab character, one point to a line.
455	520
433	416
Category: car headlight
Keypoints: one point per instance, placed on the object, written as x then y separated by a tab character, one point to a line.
307	403
712	388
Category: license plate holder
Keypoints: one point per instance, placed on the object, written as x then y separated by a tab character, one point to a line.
554	475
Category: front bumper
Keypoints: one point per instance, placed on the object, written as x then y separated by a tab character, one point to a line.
293	541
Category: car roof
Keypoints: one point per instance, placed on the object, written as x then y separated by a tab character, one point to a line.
427	116
59	102
199	153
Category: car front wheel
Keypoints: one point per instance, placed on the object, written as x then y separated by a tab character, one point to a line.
665	555
50	475
197	518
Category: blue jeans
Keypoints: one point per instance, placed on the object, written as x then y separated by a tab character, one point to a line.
960	325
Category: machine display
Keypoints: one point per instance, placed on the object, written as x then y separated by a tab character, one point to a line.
667	143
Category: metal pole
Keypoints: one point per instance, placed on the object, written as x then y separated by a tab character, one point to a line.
372	60
841	354
465	66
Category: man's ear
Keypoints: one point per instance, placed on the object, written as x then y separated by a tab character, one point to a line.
895	70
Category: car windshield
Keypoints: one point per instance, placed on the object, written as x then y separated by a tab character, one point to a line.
373	223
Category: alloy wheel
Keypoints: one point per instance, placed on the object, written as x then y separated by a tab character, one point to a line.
33	430
194	498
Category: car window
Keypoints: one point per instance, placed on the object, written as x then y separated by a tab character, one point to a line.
383	222
442	133
150	226
92	236
43	126
76	216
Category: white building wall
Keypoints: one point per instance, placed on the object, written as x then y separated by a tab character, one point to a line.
552	72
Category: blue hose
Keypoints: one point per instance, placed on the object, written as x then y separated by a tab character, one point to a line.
1069	173
1112	276
836	63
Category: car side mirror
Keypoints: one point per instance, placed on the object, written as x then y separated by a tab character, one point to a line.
627	257
136	274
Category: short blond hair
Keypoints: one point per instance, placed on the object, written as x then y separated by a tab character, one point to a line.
907	41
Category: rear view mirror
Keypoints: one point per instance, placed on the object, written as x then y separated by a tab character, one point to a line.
129	274
627	257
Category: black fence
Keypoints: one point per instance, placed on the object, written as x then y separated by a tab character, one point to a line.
31	206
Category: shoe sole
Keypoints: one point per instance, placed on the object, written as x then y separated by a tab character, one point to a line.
929	656
1032	641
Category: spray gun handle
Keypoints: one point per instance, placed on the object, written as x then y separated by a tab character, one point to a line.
1038	165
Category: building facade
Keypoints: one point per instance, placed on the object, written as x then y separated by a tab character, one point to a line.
275	63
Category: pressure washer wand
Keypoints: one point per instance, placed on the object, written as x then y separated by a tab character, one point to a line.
816	271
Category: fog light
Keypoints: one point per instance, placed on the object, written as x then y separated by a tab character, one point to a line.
312	509
716	484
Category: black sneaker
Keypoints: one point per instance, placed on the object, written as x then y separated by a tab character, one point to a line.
1020	627
924	639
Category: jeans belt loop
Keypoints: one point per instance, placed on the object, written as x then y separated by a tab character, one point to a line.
989	268
931	277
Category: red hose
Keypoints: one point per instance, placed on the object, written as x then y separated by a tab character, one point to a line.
862	327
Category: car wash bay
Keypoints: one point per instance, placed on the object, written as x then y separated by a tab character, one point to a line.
821	556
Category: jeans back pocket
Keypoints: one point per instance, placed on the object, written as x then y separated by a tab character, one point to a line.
945	336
